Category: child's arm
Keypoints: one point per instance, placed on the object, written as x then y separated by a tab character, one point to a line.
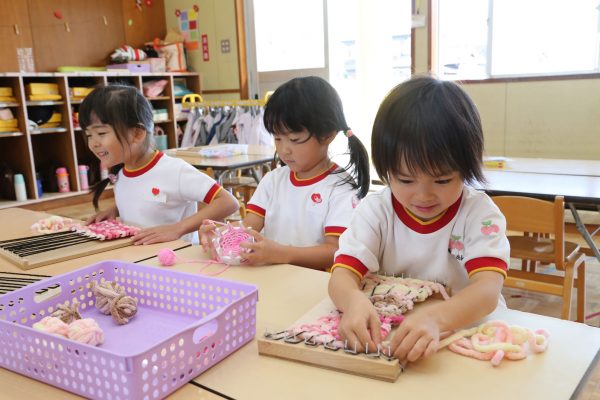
222	205
418	335
359	316
110	213
266	251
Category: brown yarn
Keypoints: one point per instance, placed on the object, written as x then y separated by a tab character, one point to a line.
66	313
105	293
112	300
123	308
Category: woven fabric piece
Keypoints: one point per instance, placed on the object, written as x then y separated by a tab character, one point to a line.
391	296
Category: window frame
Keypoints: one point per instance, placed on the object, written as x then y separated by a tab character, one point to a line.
432	34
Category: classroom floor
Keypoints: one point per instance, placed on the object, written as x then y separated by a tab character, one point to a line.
515	298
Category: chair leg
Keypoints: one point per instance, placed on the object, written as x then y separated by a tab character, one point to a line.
567	292
581	293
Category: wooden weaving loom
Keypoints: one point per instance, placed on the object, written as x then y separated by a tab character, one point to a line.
377	364
38	250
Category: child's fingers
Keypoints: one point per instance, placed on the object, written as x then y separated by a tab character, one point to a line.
405	346
375	328
418	350
257	236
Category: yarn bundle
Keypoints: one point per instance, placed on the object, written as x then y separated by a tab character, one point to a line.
494	341
112	300
84	330
51	224
67	313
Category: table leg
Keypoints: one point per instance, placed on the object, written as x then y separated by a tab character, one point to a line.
589	238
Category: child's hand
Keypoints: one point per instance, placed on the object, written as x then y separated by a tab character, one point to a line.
157	234
110	213
263	250
418	336
360	324
207	233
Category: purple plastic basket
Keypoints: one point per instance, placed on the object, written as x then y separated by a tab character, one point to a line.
185	324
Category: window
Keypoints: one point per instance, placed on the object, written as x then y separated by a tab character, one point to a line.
289	34
479	39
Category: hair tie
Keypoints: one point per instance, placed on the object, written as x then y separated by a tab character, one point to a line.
112	178
348	133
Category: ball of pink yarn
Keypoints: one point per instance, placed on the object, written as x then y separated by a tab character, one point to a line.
86	331
167	257
52	325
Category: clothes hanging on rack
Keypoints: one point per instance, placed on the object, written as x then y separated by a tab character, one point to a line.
225	124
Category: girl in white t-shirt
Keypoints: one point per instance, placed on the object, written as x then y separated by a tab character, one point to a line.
152	190
427	142
303	207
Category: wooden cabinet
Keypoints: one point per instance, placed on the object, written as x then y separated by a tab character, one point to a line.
28	149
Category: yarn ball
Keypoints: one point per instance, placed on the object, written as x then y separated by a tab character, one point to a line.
105	293
52	325
167	257
86	331
66	313
123	308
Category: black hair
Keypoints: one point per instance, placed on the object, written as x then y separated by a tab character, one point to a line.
311	103
431	126
122	107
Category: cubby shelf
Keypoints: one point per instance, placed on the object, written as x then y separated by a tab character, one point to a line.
29	150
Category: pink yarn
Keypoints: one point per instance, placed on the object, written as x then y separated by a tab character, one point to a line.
52	325
167	257
227	243
86	331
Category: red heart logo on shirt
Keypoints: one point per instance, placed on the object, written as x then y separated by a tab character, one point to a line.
316	198
155	191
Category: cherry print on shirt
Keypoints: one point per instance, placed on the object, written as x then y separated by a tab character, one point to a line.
488	228
316	198
155	191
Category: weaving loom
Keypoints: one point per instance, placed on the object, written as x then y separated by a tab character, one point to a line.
313	341
35	251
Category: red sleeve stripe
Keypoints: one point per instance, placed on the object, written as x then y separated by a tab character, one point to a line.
212	193
334	230
350	263
254	209
487	263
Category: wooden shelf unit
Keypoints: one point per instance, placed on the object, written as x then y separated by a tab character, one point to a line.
27	150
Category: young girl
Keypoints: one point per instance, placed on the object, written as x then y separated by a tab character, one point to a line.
152	190
427	143
303	207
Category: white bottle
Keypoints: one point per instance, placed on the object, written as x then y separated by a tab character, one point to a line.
20	189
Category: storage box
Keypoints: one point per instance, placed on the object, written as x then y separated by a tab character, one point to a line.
6	91
185	324
132	66
39	88
157	64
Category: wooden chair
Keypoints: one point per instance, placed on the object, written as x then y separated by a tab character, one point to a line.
540	226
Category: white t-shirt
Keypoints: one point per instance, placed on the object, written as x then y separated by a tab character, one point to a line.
301	212
164	191
384	237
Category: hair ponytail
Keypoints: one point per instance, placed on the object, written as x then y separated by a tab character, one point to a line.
100	186
358	164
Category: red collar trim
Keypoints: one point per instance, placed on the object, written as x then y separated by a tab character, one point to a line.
425	227
131	173
310	181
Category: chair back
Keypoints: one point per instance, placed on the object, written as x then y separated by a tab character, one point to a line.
535	217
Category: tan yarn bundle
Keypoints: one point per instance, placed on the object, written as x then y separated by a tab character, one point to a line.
66	313
112	300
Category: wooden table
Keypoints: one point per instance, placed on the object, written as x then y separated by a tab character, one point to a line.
257	156
578	181
287	292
